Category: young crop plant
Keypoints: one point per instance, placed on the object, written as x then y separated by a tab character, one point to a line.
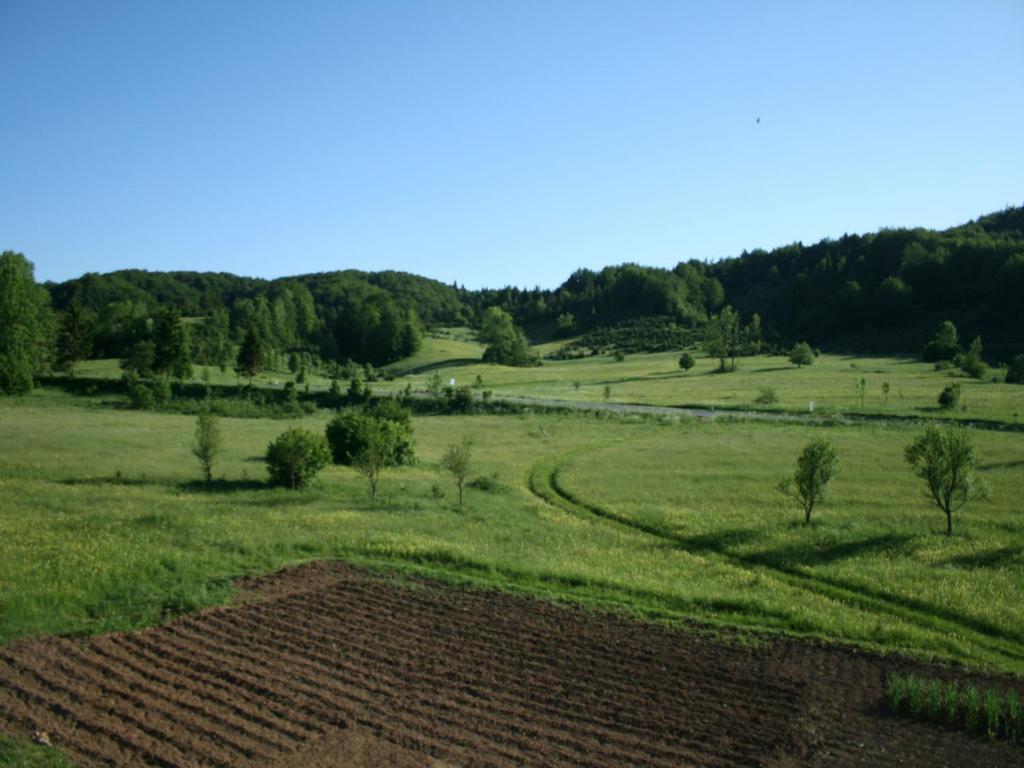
934	697
897	690
952	702
915	695
972	707
947	462
993	712
1014	717
814	468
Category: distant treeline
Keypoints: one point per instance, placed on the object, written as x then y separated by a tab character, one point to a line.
885	291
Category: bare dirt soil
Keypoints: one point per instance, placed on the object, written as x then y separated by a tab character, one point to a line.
329	665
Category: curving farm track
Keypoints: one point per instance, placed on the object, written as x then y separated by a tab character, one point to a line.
328	665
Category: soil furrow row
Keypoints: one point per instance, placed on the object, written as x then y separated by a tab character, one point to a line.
523	708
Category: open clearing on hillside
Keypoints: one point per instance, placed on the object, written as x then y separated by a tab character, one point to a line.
328	665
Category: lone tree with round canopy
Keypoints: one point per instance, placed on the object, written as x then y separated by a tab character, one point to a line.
947	462
801	354
815	467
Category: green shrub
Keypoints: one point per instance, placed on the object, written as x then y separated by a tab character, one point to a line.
766	396
458	399
488	484
295	457
139	394
349	432
162	392
971	362
949	397
686	361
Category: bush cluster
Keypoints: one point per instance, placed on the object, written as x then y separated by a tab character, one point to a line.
643	334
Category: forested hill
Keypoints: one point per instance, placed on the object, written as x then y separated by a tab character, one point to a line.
889	289
882	291
369	317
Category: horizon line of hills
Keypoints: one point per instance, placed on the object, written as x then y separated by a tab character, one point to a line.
885	291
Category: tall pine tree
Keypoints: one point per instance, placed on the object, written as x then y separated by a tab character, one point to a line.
171	352
74	338
250	355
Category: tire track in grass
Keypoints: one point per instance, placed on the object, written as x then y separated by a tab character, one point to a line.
543	482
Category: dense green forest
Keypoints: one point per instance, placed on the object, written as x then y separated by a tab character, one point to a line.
885	291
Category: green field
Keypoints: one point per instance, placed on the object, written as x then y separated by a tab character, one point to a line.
831	383
104	526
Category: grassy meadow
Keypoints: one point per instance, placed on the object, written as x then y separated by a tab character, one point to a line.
831	382
104	525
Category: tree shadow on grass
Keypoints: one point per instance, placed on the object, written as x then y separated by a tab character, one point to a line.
115	479
222	485
809	554
716	541
1001	465
1001	557
455	362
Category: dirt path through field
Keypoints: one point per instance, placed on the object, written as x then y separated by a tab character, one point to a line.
328	665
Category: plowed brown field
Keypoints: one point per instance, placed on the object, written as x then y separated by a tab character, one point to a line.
328	665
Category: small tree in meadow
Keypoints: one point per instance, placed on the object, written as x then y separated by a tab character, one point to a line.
377	454
947	462
456	461
686	361
208	443
294	458
801	354
815	467
861	385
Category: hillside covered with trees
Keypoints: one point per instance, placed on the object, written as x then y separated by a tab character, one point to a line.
884	291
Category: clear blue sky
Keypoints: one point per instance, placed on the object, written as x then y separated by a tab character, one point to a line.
493	142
